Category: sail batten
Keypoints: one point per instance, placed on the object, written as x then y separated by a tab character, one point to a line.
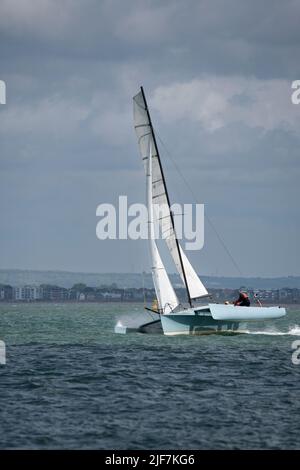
146	140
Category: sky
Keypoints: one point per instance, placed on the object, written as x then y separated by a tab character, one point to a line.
217	75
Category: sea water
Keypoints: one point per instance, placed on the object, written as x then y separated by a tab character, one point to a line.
70	382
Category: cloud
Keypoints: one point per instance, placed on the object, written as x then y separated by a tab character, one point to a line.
217	76
49	116
62	116
259	38
215	102
147	25
39	18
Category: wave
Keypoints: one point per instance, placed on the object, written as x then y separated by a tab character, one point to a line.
293	331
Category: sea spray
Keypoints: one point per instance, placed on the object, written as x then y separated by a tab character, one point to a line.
134	319
293	331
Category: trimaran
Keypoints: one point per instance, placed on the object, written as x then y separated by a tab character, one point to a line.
172	317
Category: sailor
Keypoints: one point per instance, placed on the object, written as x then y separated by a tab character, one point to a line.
243	300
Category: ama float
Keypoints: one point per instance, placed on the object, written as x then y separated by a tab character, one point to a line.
173	318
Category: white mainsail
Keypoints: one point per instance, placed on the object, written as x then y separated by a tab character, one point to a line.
144	132
165	294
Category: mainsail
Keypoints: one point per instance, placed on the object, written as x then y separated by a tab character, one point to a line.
146	140
165	294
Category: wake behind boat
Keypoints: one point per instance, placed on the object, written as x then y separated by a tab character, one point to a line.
172	317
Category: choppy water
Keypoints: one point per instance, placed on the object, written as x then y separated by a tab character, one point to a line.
70	382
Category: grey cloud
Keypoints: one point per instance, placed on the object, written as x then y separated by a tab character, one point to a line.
229	37
67	142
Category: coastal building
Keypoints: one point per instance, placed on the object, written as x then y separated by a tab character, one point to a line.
54	293
289	295
83	293
6	292
267	295
111	296
28	293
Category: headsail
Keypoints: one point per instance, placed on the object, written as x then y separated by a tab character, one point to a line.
165	294
146	138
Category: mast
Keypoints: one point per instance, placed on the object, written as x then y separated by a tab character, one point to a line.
168	200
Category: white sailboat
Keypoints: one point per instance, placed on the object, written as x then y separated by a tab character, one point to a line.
174	318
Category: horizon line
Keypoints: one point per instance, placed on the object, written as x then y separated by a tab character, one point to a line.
146	272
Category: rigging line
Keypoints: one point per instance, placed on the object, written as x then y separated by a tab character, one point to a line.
205	215
143	282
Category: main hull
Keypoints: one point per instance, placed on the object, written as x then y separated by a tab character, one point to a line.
216	318
205	320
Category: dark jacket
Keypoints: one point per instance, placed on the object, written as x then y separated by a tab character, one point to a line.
243	300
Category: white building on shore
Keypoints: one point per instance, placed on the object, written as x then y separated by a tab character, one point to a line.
27	293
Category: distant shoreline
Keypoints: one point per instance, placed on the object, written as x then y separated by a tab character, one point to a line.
66	279
292	306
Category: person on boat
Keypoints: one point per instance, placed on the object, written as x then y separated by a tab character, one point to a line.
243	300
